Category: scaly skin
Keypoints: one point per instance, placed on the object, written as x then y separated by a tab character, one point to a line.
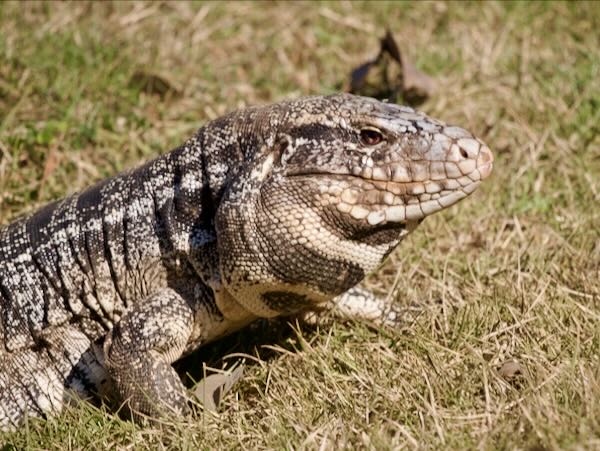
263	212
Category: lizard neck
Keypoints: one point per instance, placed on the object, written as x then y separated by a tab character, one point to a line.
200	172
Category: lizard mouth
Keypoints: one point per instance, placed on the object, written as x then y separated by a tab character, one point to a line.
390	194
383	202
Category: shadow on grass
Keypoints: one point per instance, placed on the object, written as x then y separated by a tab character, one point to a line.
255	340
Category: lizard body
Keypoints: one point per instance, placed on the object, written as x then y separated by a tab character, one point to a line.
266	211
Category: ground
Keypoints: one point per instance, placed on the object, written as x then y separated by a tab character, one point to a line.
505	351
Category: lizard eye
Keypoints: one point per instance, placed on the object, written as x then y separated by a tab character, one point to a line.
370	136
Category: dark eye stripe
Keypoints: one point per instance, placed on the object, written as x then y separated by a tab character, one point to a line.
314	131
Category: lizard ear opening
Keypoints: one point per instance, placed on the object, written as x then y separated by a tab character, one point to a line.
274	158
283	149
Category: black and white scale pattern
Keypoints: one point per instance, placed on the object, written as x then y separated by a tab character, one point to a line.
265	211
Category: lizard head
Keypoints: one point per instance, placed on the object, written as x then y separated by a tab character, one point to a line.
338	182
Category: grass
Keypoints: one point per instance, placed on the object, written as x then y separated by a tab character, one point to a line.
509	275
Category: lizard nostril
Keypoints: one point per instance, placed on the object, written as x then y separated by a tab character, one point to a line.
463	153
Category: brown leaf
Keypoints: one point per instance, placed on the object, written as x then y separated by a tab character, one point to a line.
153	84
388	44
211	390
510	370
359	75
417	85
391	76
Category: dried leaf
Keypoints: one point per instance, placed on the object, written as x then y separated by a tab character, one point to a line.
211	390
153	84
391	76
388	44
417	86
359	75
509	370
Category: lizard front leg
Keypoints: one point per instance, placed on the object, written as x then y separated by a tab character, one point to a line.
140	349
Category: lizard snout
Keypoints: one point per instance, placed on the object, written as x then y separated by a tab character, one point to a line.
485	161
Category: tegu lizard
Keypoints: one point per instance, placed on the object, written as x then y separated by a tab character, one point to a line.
266	211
